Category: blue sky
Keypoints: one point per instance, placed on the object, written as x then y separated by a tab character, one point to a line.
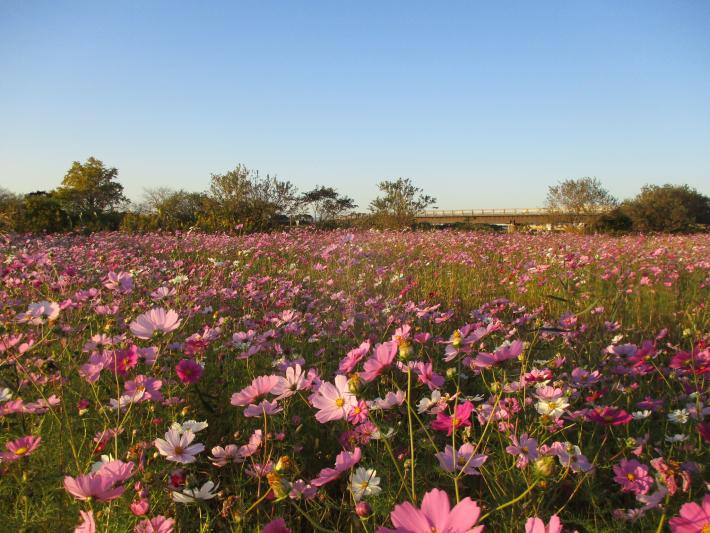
482	104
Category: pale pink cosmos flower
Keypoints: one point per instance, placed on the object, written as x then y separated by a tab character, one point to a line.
157	319
536	525
435	514
36	312
260	386
343	462
249	449
292	383
122	282
391	399
87	525
176	446
462	460
150	387
223	456
158	524
334	402
264	408
20	448
525	448
104	484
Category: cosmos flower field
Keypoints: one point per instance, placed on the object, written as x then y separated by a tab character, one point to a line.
354	381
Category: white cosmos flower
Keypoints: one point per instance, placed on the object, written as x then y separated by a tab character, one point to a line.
641	415
5	394
205	492
425	403
364	482
552	408
678	437
189	425
177	446
679	416
98	464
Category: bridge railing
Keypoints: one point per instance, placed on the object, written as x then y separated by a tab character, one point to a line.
492	212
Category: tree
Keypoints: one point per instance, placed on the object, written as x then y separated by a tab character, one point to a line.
10	210
42	212
90	189
668	208
574	198
401	202
327	203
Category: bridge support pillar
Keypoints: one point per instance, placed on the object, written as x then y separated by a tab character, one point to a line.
510	228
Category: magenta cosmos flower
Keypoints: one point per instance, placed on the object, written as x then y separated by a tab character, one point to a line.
176	446
461	418
189	371
692	518
435	515
333	401
104	484
609	416
20	448
633	477
157	319
536	525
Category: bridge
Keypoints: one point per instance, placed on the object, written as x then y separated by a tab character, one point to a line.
502	216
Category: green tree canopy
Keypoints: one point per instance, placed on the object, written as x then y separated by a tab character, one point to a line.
668	208
576	197
90	189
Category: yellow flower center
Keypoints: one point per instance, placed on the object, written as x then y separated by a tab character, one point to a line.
630	476
21	451
455	421
364	484
178	450
339	402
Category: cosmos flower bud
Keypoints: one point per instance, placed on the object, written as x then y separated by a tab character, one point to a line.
450	372
354	383
544	466
284	463
405	350
363	509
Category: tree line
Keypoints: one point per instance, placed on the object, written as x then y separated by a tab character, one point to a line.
90	198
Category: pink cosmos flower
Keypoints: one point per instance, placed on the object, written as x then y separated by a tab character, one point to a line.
176	446
570	456
120	361
633	477
435	515
463	459
460	419
382	358
20	448
391	399
692	518
358	414
87	525
150	387
426	375
334	402
609	416
189	371
348	363
260	386
536	525
343	462
157	319
158	524
101	484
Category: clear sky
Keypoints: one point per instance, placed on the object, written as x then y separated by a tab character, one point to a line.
482	104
